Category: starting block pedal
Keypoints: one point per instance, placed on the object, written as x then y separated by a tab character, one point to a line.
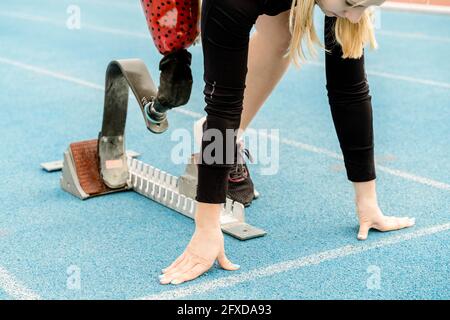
101	166
58	165
80	171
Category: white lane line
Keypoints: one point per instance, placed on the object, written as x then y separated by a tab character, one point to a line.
416	7
409	79
394	172
145	36
189	113
393	76
414	178
123	4
299	145
84	26
49	73
295	264
11	286
35	18
415	36
289	142
30	17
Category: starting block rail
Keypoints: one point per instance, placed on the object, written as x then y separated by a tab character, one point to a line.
164	188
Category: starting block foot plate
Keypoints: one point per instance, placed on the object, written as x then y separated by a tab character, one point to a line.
81	174
243	231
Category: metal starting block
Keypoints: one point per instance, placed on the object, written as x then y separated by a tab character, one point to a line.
102	166
81	178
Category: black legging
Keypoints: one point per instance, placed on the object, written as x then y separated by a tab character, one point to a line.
225	28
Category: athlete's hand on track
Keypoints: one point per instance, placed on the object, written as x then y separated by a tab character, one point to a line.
205	247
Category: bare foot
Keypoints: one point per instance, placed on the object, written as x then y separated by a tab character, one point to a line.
205	247
371	217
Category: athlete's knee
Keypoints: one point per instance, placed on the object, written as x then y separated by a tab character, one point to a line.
224	102
346	95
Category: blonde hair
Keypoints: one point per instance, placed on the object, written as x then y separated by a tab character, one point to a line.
351	36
